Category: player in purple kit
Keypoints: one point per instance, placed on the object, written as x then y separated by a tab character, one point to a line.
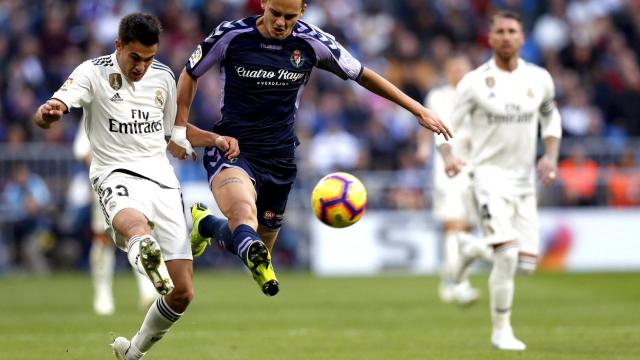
265	61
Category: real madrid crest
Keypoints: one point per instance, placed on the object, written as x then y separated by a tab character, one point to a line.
296	58
115	81
530	92
490	81
159	98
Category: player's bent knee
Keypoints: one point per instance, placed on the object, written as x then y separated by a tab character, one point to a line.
507	256
242	212
180	298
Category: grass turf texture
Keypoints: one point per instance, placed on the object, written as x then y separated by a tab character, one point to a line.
559	316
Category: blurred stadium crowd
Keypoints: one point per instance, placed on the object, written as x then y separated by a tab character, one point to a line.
591	48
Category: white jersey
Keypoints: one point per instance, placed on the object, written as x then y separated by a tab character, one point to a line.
126	122
503	111
441	100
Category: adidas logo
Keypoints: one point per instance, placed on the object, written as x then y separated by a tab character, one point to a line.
117	98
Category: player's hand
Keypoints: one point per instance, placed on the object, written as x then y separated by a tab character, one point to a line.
547	170
50	112
453	166
179	146
423	153
430	120
229	145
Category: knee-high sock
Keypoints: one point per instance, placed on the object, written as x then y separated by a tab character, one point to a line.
159	319
133	254
451	256
501	285
470	249
243	236
218	229
102	261
146	291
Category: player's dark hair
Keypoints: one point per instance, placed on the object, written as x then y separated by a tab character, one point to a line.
140	27
505	14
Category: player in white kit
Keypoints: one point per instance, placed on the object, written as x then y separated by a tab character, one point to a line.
102	259
502	103
129	107
452	198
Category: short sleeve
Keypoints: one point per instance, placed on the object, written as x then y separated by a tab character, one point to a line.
77	90
330	55
213	48
550	121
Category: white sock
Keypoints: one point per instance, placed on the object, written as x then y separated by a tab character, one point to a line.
102	261
133	254
501	285
146	291
157	322
451	256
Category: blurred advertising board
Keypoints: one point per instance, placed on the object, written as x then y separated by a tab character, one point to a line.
596	239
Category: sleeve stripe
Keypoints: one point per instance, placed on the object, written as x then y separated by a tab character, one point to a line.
164	68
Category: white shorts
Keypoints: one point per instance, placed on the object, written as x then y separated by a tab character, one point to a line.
453	198
507	218
162	206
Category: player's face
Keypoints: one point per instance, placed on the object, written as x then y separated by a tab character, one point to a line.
280	16
506	37
135	58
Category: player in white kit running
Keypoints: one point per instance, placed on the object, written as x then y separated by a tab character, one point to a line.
452	198
129	105
503	103
102	259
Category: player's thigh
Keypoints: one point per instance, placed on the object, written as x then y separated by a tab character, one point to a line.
527	225
126	204
232	187
169	224
496	213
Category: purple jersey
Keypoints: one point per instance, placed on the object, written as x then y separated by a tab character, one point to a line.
262	80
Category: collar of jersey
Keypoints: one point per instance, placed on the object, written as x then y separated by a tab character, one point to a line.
492	61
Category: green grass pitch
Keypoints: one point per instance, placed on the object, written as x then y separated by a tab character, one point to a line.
559	316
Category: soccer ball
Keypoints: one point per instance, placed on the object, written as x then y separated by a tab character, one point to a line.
339	199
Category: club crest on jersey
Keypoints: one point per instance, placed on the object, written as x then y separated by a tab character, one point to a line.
159	98
67	84
296	58
530	92
195	56
490	81
115	81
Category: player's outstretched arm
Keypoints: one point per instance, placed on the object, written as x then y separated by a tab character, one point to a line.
375	83
49	112
202	138
179	146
